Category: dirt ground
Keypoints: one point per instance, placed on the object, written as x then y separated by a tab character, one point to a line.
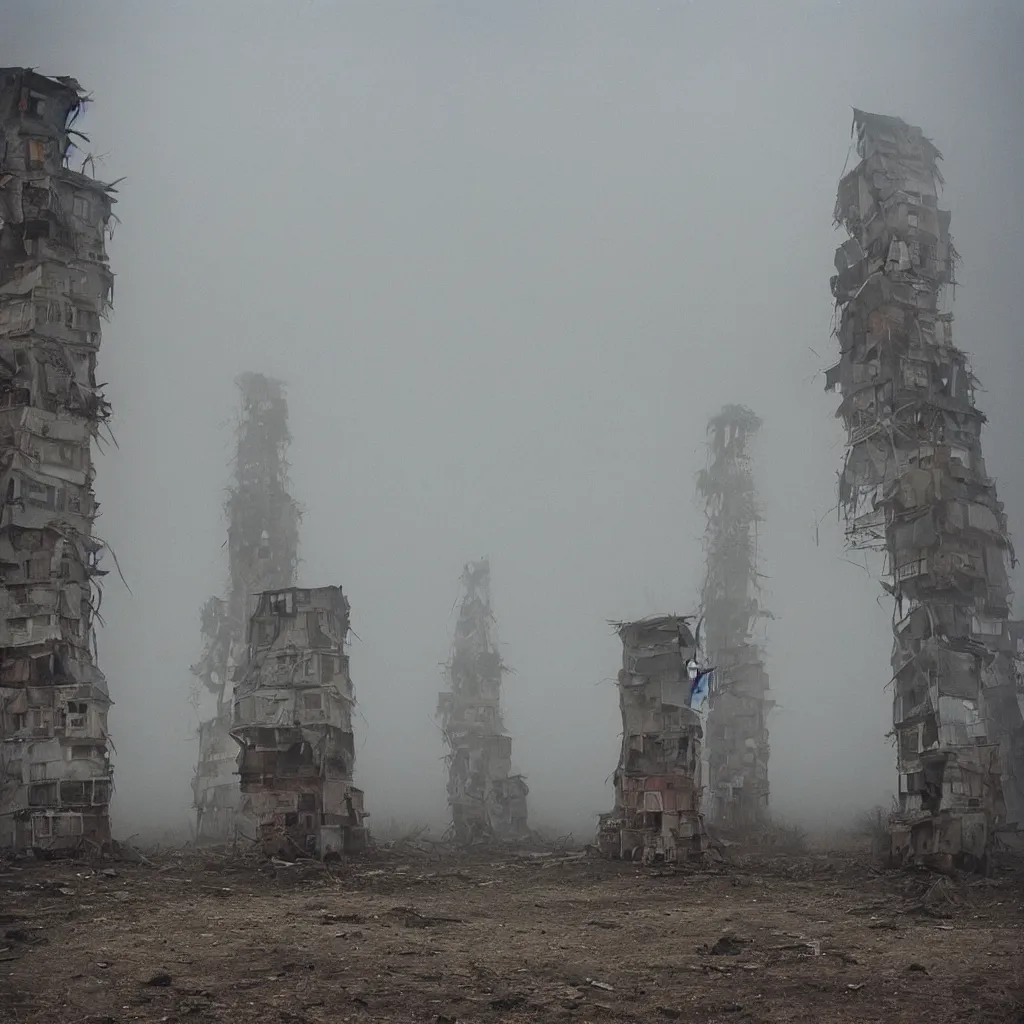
817	937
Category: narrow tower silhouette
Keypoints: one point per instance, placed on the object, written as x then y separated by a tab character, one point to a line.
486	800
738	699
263	531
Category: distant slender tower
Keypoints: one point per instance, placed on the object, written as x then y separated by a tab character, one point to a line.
263	529
55	286
739	699
486	801
914	485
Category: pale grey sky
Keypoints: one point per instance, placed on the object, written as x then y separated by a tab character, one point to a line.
509	258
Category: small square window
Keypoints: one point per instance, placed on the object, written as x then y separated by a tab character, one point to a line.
73	792
77	714
68	825
42	794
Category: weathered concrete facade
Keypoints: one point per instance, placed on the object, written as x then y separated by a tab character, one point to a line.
55	286
915	485
293	723
658	779
263	530
739	700
486	800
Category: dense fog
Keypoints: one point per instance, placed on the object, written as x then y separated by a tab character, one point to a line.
509	258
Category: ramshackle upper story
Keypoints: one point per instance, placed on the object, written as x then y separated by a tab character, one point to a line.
297	672
660	732
55	281
298	618
54	220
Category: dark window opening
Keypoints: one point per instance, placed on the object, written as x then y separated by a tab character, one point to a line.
43	794
297	760
931	733
282	604
73	793
35	105
38	228
13	398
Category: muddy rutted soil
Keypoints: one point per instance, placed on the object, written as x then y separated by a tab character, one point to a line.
787	939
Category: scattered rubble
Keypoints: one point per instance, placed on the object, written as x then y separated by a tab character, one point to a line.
523	946
658	778
486	800
736	744
55	288
914	485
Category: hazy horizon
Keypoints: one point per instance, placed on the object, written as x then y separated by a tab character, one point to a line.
508	259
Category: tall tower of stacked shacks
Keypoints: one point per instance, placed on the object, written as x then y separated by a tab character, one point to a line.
55	285
739	699
914	485
658	779
293	722
263	532
485	799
